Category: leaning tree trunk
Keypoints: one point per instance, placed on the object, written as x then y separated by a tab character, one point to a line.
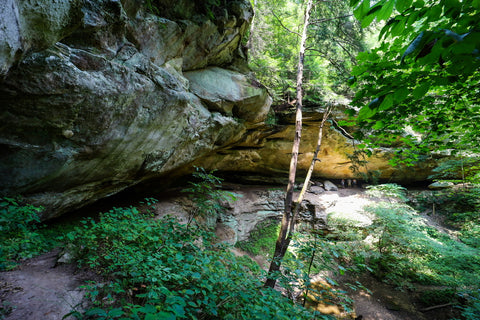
326	115
288	218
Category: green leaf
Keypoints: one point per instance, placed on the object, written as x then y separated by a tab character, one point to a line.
114	313
378	125
160	316
421	90
386	103
96	312
402	5
401	94
367	20
148	308
365	113
362	9
476	4
386	10
374	9
434	13
399	27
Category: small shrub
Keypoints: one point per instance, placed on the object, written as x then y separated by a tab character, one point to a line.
471	308
160	269
262	239
206	195
440	296
388	190
21	234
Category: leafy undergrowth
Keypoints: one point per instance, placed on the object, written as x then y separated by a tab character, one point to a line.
159	269
22	236
406	252
261	240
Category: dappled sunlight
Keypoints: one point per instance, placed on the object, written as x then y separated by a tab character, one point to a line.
349	206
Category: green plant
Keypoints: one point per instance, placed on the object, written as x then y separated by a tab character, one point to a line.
160	269
471	309
464	169
408	250
439	296
5	309
459	205
206	195
271	119
21	234
391	191
358	160
262	238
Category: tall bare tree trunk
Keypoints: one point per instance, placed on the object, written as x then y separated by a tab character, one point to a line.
288	220
326	115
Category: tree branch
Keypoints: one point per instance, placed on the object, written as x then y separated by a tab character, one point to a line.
330	19
283	26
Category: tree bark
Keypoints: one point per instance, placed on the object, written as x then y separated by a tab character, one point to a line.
326	115
288	219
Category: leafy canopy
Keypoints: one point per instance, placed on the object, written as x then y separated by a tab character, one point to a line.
334	39
420	87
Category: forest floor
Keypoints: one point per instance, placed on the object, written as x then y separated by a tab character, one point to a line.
40	289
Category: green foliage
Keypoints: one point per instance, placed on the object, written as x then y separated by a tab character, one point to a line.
409	250
458	205
206	195
465	169
334	39
5	309
21	234
359	165
418	89
261	240
271	119
461	209
392	191
311	253
159	269
405	250
471	309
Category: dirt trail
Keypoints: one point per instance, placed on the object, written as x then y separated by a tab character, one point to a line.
39	290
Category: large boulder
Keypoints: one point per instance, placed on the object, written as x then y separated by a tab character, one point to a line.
96	95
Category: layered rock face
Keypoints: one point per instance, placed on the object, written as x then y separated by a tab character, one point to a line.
264	154
252	206
98	95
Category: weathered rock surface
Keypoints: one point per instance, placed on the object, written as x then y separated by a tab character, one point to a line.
252	206
99	95
267	152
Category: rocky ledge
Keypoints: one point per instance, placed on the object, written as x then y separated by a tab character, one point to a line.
98	95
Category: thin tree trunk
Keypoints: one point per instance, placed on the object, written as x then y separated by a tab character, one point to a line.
326	115
288	220
249	45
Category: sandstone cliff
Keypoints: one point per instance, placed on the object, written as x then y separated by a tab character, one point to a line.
98	95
